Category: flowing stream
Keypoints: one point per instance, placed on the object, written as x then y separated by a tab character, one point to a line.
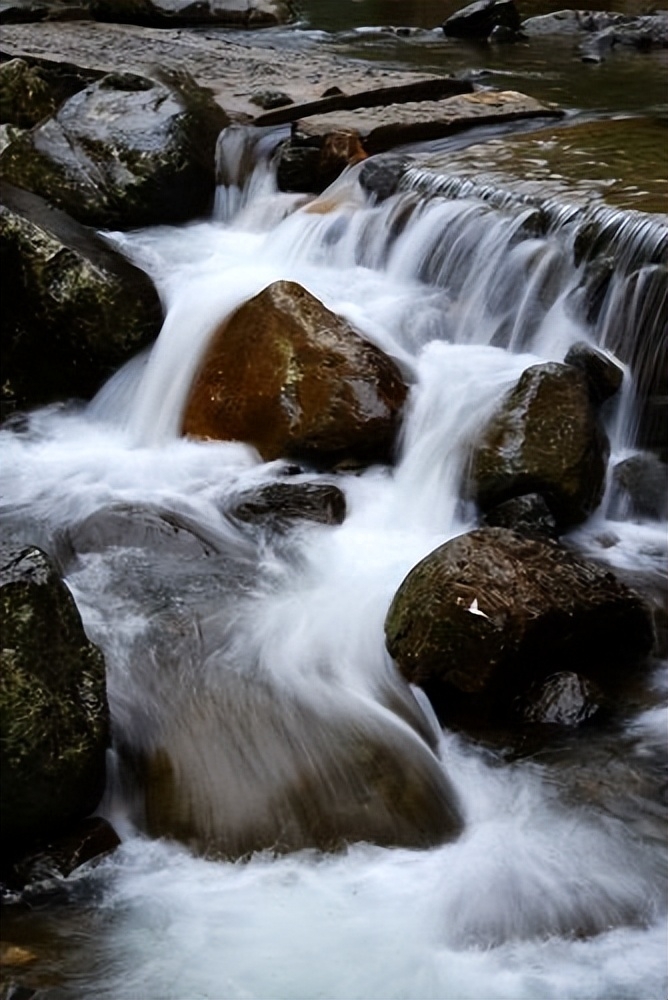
242	658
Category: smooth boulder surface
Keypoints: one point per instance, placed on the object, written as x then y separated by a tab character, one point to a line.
126	151
54	719
279	505
77	309
490	613
544	438
293	379
478	20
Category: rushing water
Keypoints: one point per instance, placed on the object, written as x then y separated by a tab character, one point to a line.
245	653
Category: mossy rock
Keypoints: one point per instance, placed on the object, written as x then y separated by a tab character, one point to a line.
544	438
54	718
78	309
126	151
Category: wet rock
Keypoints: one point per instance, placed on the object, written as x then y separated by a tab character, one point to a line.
478	20
54	719
490	613
293	379
311	163
642	482
528	515
7	134
604	376
544	438
381	175
602	30
289	776
562	699
78	309
280	504
36	879
126	151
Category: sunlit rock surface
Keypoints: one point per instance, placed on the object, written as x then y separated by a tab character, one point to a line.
290	377
126	151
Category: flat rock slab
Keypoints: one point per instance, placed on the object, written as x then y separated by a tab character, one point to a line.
383	128
233	70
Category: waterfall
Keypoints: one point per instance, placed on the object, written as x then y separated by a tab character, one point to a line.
256	711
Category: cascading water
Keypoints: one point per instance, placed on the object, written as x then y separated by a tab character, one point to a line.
252	697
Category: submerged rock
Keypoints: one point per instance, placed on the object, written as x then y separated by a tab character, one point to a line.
478	20
642	483
293	379
294	770
544	438
490	613
126	151
54	719
78	309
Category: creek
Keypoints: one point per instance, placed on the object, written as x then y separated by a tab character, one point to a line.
254	656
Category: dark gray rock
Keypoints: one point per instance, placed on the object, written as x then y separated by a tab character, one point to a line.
126	151
562	699
528	515
544	438
54	719
281	504
604	376
642	482
78	309
381	175
490	613
478	20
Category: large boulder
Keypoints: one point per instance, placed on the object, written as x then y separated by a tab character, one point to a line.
478	20
54	719
126	151
293	379
544	438
77	309
490	613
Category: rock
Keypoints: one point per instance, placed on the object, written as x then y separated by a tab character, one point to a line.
126	151
36	878
312	163
381	175
54	719
78	309
384	128
528	515
544	438
602	30
490	613
25	96
177	13
562	699
604	376
293	379
290	777
478	20
269	99
7	134
642	481
281	504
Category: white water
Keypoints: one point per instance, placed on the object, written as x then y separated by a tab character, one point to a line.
556	888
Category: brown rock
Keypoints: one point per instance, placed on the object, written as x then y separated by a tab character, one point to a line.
290	377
